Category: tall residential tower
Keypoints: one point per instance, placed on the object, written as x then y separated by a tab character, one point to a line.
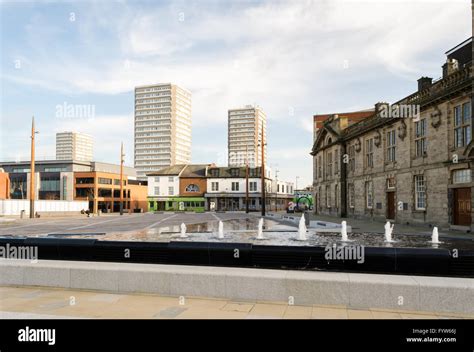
245	128
162	127
74	146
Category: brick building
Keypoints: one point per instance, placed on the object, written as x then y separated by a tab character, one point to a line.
4	185
178	188
410	162
102	190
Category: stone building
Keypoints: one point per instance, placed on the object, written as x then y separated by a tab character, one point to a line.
410	162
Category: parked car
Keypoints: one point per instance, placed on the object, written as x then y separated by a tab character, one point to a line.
291	207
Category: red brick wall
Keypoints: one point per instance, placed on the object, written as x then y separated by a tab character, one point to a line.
199	181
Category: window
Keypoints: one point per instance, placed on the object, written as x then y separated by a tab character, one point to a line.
253	186
278	188
50	183
420	138
103	192
336	200
117	182
319	197
462	125
329	164
215	186
351	158
351	195
20	170
192	188
462	176
320	171
157	179
315	168
369	152
328	196
105	181
369	196
336	162
84	180
171	191
391	141
390	183
117	193
215	172
420	193
234	172
235	186
157	191
170	179
54	169
84	192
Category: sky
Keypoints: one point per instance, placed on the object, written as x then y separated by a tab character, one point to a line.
294	58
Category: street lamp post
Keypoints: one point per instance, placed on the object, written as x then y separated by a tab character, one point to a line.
276	191
246	180
263	172
121	179
32	170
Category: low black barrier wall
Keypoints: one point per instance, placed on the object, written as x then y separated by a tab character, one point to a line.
413	261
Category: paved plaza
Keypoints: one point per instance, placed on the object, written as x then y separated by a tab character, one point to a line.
111	223
51	303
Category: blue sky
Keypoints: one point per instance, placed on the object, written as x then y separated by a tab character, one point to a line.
293	58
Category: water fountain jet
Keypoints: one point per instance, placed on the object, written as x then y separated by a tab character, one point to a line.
344	231
302	229
260	230
388	231
435	236
183	231
221	230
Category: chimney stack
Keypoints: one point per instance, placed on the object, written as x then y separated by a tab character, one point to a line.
381	106
424	82
451	65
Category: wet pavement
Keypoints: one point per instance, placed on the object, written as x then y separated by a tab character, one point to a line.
203	227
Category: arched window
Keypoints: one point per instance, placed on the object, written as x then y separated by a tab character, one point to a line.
192	188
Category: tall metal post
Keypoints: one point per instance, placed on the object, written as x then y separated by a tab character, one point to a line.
246	180
263	173
121	179
32	170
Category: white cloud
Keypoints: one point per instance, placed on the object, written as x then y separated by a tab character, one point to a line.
267	52
276	54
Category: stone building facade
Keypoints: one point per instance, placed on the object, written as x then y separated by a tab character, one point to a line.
410	162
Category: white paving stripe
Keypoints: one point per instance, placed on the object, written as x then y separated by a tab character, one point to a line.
159	222
217	218
36	224
95	223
